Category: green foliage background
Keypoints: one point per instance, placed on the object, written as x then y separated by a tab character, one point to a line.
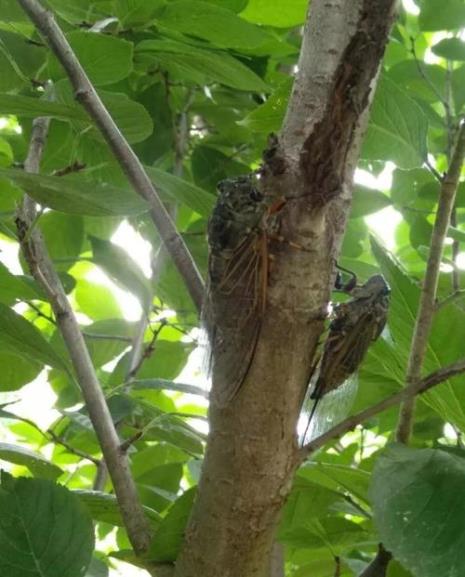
222	68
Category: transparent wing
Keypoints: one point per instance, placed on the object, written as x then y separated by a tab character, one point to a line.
330	410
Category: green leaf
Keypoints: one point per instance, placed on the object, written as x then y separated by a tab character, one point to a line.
419	508
168	539
179	190
200	65
105	58
104	508
213	23
338	478
117	263
442	15
44	530
6	153
17	335
450	48
36	463
367	201
17	371
102	349
96	301
276	13
397	129
269	116
15	287
131	117
31	107
166	385
64	235
73	195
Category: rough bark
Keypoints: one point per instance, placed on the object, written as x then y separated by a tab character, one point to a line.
252	450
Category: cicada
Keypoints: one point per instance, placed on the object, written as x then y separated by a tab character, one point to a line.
236	292
355	325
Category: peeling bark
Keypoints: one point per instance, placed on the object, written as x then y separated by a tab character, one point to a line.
252	450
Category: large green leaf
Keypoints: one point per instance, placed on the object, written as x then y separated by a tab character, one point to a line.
276	13
213	23
74	195
105	58
17	370
418	500
117	263
64	235
36	463
131	117
367	201
200	65
338	477
442	15
167	541
16	287
179	190
104	507
397	129
96	301
44	530
269	116
450	48
19	336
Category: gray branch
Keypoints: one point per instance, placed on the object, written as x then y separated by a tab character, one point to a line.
427	306
41	267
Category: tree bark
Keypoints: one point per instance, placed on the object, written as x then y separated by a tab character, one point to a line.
252	450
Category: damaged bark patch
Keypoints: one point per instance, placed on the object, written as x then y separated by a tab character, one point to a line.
324	153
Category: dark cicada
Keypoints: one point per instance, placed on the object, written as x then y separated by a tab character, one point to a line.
237	282
355	325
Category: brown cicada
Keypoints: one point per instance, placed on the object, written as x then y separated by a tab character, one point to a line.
238	271
355	325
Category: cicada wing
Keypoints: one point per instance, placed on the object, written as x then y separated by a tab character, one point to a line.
233	316
328	410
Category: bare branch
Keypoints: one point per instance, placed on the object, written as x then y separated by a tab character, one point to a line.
41	267
427	305
351	422
132	167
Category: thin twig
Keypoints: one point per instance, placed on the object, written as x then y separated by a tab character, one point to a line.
59	441
351	422
41	267
123	153
427	306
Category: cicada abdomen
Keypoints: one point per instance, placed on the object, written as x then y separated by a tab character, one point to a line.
355	325
237	283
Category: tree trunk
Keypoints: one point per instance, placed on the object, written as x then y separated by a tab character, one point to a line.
251	453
